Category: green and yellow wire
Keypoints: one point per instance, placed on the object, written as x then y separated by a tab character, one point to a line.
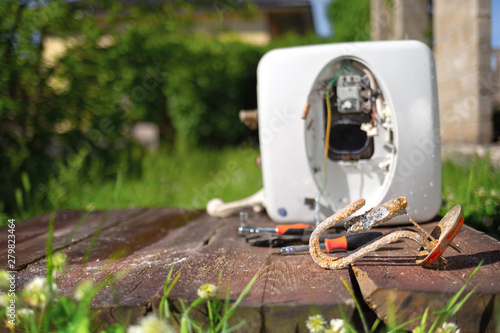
328	123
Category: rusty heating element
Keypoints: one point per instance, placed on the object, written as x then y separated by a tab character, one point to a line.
432	246
380	214
377	215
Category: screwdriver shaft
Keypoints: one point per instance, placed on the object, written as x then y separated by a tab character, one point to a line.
292	249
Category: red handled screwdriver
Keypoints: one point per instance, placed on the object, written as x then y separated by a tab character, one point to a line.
280	229
346	243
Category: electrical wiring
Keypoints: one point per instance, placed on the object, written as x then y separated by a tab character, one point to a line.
328	122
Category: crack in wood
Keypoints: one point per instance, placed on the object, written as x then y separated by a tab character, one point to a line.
140	281
65	245
367	310
213	234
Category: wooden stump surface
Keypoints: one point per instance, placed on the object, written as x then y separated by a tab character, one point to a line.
139	247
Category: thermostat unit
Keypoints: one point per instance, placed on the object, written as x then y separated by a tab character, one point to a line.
339	122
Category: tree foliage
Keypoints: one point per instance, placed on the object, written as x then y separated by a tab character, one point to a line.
120	65
351	20
68	119
51	111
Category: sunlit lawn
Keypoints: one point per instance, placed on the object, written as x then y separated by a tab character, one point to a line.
182	179
191	178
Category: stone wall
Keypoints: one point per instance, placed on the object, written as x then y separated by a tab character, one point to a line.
406	19
468	89
462	51
496	82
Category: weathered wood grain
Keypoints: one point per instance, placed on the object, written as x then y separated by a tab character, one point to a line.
139	247
69	227
297	288
390	280
128	250
287	291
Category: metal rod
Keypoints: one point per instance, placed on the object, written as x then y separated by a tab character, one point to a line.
422	230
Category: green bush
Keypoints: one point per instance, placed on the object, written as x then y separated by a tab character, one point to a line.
351	20
135	63
114	72
205	100
192	85
49	112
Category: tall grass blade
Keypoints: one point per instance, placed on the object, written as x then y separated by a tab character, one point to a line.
26	182
18	194
443	313
457	306
423	322
403	325
348	327
358	306
233	308
50	276
375	325
167	287
469	190
95	236
497	313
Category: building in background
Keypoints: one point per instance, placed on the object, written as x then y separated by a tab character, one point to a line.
270	19
464	35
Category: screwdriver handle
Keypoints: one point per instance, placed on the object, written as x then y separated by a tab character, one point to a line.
351	242
292	229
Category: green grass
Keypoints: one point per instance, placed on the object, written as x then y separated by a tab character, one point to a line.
168	179
437	320
476	187
189	178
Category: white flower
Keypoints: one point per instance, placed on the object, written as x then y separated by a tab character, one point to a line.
37	292
4	279
83	289
5	300
59	261
336	326
150	324
480	192
315	323
25	314
448	328
207	290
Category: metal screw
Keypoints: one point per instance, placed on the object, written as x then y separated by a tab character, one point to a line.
243	219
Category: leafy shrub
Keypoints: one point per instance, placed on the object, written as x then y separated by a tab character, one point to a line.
351	20
49	112
111	75
205	96
136	63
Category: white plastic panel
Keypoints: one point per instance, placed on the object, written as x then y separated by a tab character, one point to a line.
404	71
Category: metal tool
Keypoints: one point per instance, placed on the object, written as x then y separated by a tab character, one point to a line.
384	212
272	240
243	219
280	229
265	239
430	251
345	243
